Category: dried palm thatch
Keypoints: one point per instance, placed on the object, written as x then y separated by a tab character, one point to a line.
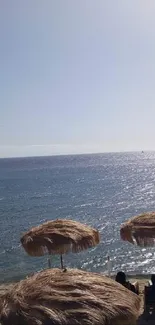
59	237
55	297
140	230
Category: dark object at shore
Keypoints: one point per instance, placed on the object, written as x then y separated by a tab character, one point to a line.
149	296
149	299
140	230
153	280
59	237
54	297
121	278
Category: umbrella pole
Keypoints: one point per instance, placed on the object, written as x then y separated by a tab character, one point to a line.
49	262
62	266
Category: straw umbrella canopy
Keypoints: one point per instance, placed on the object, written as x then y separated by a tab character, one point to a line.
59	237
75	297
140	230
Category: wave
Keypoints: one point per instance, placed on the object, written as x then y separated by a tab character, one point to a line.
40	196
9	250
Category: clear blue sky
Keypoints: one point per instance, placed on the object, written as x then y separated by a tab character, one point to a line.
76	76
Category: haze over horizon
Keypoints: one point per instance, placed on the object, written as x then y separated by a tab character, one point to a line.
76	77
25	152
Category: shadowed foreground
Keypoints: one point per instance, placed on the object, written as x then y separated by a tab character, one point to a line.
55	297
144	319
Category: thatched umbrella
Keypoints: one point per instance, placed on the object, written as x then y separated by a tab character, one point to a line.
59	237
55	297
140	230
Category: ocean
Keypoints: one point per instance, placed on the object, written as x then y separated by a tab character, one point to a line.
101	190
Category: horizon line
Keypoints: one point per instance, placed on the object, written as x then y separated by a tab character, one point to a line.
78	154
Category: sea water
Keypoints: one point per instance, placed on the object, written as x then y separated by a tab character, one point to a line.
100	190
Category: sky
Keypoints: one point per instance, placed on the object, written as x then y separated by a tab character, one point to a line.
76	76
